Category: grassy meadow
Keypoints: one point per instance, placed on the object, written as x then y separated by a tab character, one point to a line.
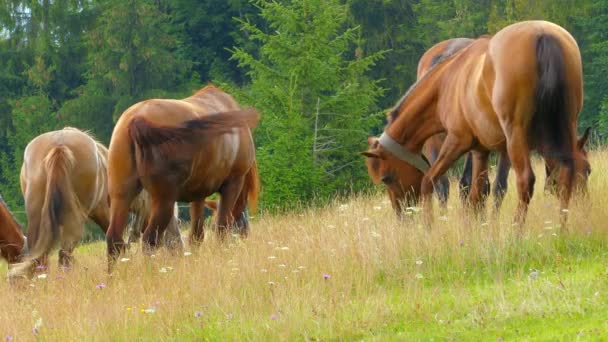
349	271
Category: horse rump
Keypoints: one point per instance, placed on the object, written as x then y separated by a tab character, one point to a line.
60	205
173	143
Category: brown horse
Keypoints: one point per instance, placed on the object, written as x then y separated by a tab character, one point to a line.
181	150
12	240
432	146
485	97
63	179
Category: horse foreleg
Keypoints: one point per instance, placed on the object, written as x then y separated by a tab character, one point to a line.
499	189
230	193
479	181
162	212
464	185
453	147
519	153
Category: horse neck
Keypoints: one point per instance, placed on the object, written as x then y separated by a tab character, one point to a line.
417	118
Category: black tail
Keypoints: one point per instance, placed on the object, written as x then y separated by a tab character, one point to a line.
551	122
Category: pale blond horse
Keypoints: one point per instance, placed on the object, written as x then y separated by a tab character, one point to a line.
64	182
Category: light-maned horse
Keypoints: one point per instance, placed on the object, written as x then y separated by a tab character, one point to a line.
516	91
181	150
12	240
63	179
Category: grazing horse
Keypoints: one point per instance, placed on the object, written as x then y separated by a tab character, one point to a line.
431	147
63	179
12	240
486	97
181	150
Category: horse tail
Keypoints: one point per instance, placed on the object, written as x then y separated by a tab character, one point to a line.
251	187
551	121
154	142
59	202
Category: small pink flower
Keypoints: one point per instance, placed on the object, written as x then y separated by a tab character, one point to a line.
101	286
326	276
8	339
274	317
198	314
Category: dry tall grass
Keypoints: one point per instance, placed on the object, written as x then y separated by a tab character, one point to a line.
348	271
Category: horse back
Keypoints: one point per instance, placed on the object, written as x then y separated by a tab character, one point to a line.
521	69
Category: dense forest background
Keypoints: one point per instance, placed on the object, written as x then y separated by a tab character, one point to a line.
321	72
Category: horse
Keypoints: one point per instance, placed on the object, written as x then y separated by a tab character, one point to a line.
62	179
433	144
486	98
12	241
181	150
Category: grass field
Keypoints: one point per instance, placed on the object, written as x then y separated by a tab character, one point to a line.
350	271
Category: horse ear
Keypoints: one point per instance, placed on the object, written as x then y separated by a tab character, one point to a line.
372	154
583	140
371	141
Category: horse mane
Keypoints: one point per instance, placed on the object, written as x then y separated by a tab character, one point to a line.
436	62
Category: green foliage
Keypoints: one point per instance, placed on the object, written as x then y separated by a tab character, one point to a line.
310	86
131	51
32	116
594	46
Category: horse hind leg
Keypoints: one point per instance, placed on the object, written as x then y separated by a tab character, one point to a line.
71	234
160	216
230	193
239	213
519	153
